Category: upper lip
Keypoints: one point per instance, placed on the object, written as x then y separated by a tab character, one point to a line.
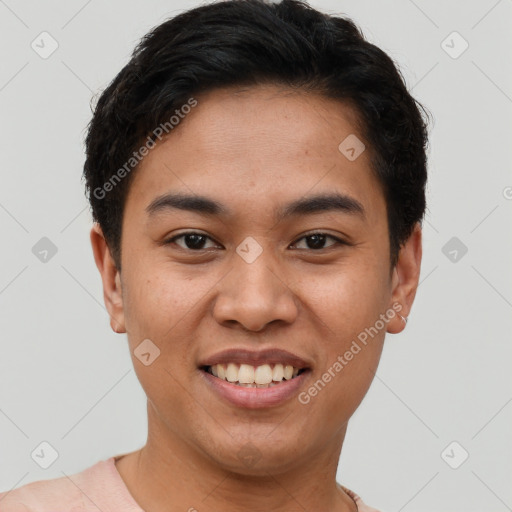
255	358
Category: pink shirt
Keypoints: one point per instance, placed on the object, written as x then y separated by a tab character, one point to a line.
99	487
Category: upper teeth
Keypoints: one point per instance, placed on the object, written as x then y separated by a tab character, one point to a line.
248	374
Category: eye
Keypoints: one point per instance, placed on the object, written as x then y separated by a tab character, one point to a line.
196	241
192	240
317	240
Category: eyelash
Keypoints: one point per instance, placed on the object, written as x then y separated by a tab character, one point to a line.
181	235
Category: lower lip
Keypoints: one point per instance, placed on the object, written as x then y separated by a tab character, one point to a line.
255	398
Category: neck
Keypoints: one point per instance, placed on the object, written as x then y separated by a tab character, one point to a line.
168	475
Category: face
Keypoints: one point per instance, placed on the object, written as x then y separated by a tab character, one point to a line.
277	253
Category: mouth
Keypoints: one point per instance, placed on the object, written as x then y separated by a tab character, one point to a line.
255	379
250	376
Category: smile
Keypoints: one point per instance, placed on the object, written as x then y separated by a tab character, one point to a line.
250	376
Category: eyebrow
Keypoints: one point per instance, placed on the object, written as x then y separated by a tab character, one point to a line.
304	206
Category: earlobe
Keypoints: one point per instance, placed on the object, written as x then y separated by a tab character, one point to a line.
110	277
405	280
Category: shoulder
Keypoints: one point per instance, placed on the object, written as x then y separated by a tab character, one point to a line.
361	506
42	496
73	493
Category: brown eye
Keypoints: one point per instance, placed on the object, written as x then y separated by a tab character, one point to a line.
192	241
316	241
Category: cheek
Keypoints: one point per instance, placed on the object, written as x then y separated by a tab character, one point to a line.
156	299
166	306
345	375
346	299
348	303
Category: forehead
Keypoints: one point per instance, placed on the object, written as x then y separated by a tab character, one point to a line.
258	146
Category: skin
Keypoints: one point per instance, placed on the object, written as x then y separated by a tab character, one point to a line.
253	150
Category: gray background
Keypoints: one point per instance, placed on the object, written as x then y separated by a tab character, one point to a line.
67	379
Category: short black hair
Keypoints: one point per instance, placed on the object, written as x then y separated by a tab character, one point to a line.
246	43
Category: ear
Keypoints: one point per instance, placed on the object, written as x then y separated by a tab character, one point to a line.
405	280
111	278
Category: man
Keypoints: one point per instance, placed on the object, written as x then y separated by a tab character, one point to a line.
257	175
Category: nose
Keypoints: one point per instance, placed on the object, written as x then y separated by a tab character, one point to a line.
254	295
